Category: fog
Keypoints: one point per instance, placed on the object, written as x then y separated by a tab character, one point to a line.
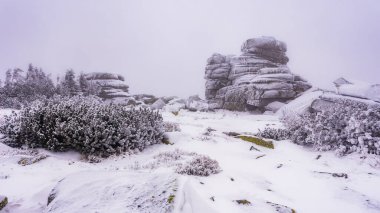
161	47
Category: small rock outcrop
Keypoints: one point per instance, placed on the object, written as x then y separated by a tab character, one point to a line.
357	89
195	103
3	201
111	86
254	79
159	104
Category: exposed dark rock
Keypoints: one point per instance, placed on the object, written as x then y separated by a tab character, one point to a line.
31	160
3	201
281	208
243	202
338	175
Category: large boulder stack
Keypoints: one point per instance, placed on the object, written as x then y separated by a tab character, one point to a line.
111	86
254	79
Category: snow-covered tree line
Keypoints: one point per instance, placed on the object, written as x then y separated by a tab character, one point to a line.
84	124
21	87
347	126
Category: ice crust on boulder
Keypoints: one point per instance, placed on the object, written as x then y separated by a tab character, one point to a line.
111	86
357	89
254	79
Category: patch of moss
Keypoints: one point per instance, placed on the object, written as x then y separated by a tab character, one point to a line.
3	202
243	202
171	199
257	141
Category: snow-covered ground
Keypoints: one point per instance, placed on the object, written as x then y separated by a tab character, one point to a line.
279	180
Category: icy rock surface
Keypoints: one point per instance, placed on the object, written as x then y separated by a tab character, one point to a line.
317	100
195	103
253	79
112	86
358	89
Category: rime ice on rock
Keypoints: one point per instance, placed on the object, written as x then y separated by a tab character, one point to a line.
357	89
254	79
112	86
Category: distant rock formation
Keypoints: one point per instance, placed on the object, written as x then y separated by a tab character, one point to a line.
357	89
111	86
256	78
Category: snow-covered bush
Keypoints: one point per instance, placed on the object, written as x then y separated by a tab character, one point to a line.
346	126
199	166
171	127
275	134
83	124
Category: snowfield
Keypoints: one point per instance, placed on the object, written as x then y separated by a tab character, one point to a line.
289	178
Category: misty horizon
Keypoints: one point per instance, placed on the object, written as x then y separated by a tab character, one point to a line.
161	48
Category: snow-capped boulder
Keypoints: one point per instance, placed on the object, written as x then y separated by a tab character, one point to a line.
256	78
195	103
111	86
159	104
266	47
274	106
317	100
145	98
358	89
175	105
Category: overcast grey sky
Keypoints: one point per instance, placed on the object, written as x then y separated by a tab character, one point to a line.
161	46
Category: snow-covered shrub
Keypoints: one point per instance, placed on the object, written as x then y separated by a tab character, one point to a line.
346	126
83	124
173	157
199	166
275	134
171	127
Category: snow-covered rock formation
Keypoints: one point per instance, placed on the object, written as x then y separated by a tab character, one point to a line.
317	100
254	79
111	86
358	89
